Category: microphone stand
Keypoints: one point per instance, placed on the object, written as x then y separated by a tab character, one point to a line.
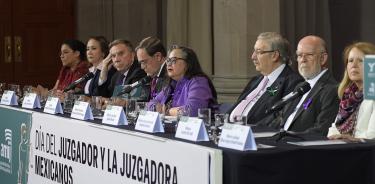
284	133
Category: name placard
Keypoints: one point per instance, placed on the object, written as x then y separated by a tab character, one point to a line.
149	121
238	137
31	101
82	111
53	106
9	98
114	115
192	129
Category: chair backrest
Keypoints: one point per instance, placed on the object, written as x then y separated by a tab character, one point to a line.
224	107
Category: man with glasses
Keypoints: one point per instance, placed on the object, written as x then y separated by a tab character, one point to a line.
151	55
316	109
271	57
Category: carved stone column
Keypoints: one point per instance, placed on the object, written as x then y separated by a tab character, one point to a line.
236	26
189	23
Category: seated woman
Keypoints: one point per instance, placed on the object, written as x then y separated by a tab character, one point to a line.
356	117
74	63
97	53
188	87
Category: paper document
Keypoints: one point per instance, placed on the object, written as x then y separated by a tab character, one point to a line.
318	143
264	134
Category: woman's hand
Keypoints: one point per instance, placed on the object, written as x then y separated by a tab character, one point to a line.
345	137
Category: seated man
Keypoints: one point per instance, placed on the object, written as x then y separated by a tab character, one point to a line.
277	79
316	109
128	70
151	55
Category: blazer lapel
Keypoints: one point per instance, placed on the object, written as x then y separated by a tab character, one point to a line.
314	91
307	101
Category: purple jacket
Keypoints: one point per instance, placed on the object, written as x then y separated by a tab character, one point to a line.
189	94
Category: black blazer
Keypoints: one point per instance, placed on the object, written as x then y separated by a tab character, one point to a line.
162	77
135	73
284	84
318	114
95	89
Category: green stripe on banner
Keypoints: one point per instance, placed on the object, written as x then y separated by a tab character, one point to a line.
14	145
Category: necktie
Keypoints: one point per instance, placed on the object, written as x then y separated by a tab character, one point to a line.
120	81
242	105
153	87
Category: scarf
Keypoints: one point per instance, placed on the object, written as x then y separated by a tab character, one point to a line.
348	109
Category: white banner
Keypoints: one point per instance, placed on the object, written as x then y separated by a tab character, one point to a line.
71	151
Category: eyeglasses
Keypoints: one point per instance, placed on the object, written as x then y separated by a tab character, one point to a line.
260	52
173	60
307	56
145	61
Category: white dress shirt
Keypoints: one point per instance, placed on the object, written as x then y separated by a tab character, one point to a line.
312	83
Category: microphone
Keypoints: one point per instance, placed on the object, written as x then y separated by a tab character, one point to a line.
128	88
300	90
84	78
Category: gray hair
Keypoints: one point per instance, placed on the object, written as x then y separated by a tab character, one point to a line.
277	43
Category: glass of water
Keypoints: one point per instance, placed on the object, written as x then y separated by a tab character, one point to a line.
240	120
205	115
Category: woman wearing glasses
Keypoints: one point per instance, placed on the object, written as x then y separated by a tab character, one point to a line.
188	87
356	117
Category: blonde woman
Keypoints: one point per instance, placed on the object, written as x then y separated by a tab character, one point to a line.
356	117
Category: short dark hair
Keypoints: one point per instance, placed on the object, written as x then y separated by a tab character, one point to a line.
152	45
122	41
77	45
103	42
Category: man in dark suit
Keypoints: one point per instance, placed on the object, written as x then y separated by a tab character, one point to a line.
316	109
128	70
151	55
271	56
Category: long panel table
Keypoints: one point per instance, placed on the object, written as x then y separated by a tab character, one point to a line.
282	163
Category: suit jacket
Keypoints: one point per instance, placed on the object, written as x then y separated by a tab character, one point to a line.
284	84
160	83
135	73
102	90
317	111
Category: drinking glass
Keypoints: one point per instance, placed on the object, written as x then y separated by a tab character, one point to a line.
96	106
139	106
26	90
17	90
68	102
131	112
205	115
240	120
184	111
220	119
2	88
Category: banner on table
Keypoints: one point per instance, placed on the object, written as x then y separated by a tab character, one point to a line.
369	77
71	151
14	145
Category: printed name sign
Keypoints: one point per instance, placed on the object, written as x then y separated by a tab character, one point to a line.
9	98
114	115
31	101
192	129
82	111
149	122
53	106
238	137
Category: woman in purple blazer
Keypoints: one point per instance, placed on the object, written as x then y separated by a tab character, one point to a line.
188	87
